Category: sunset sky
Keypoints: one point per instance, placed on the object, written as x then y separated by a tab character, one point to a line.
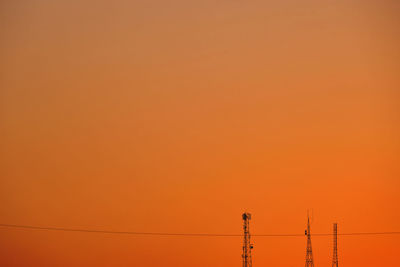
178	116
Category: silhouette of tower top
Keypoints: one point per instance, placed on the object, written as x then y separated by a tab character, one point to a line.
309	255
335	256
247	246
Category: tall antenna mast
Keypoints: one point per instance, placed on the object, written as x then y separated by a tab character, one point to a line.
309	255
247	246
335	257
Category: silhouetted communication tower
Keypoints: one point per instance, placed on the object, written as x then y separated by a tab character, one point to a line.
247	246
309	255
335	257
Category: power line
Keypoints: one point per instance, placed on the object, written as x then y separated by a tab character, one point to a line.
112	232
182	234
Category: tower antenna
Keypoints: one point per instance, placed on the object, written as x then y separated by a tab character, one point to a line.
247	246
309	255
335	256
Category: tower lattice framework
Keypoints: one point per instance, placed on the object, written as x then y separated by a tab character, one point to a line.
309	255
335	256
247	246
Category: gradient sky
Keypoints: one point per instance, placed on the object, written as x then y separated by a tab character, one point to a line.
177	116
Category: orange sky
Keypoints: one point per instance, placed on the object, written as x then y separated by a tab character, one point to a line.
177	116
